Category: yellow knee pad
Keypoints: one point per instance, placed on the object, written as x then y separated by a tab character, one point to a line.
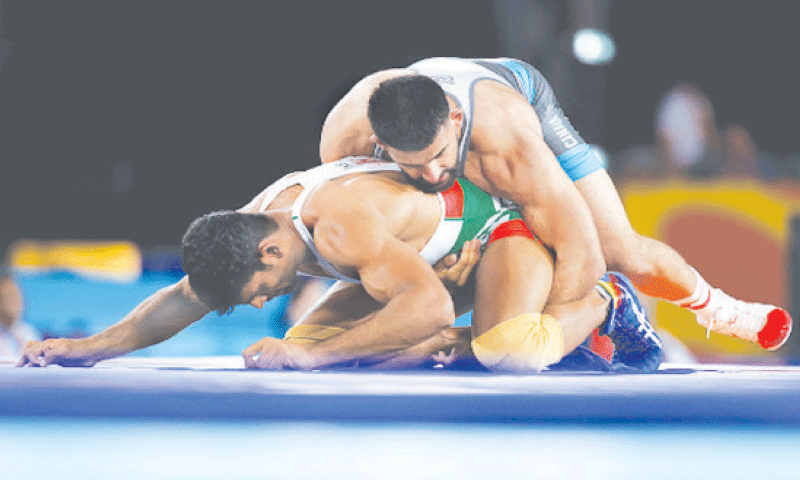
305	334
524	344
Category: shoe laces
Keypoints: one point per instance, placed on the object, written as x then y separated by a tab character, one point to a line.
736	317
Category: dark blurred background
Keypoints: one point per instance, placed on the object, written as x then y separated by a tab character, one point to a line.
127	119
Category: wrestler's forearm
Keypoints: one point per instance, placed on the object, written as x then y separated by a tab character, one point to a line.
401	324
444	347
573	279
579	261
156	319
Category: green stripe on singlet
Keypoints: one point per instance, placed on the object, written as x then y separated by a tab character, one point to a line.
481	214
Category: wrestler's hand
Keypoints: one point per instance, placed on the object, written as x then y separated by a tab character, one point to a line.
459	341
454	270
275	354
58	351
445	348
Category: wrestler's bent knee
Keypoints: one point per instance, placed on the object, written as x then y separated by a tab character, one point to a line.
524	344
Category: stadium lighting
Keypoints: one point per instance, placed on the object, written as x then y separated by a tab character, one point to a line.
593	47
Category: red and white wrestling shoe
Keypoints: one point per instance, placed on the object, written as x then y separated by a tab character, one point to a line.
767	325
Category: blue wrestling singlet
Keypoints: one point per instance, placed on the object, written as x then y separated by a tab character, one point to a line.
458	77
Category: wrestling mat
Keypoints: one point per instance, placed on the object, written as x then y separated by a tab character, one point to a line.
220	388
207	417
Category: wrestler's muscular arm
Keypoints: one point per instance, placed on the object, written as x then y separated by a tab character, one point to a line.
346	130
516	163
415	304
346	305
156	319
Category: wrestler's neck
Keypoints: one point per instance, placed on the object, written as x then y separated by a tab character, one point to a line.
291	239
280	210
484	143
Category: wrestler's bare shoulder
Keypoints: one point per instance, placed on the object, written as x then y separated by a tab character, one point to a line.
501	118
384	190
283	199
406	211
346	130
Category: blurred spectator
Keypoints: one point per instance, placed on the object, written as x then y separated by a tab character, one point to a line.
690	145
14	332
742	159
687	144
687	136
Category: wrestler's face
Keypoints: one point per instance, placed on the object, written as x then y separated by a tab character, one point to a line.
279	278
432	169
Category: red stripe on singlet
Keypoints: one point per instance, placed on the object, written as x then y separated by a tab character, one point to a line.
453	201
512	228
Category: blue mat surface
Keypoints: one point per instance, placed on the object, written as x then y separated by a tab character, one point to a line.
208	418
219	388
32	449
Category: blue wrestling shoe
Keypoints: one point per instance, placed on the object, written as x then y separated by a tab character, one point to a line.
636	344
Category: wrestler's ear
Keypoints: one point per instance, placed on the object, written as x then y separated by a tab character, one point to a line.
374	139
267	249
457	116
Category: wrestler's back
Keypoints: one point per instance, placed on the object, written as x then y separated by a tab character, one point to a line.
410	215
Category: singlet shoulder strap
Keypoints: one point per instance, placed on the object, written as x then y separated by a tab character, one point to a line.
457	77
311	179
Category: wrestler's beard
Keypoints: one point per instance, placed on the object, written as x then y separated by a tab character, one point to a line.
428	187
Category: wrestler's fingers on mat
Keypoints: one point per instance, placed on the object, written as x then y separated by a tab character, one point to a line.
253	349
251	360
445	358
249	355
261	355
23	360
35	355
48	355
45	359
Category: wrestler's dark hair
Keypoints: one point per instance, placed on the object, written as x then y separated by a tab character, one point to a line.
219	253
406	112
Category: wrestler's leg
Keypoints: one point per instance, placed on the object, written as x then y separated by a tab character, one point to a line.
580	318
657	270
514	277
513	281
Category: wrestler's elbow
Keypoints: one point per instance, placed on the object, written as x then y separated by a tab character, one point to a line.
594	264
435	310
582	263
